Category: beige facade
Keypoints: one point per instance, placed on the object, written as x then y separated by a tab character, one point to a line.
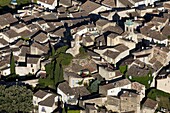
164	84
130	102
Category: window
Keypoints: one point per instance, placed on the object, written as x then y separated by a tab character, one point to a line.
43	109
31	65
32	70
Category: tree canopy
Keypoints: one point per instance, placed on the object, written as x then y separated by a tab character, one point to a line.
15	99
54	69
12	64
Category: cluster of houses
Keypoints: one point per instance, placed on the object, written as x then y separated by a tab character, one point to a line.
114	33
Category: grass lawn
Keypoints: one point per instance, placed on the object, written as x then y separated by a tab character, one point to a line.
5	2
73	111
143	80
162	97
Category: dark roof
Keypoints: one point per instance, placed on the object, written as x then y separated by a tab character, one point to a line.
59	32
3	41
72	74
32	60
51	16
127	3
165	30
7	19
90	6
81	91
41	47
99	40
121	47
24	50
25	33
149	103
119	83
49	101
65	88
110	3
11	33
65	2
112	35
40	94
101	22
111	54
115	29
135	70
40	37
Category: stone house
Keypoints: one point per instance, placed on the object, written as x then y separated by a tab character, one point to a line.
67	93
109	73
73	79
49	4
130	102
140	89
113	103
45	101
115	54
38	49
32	66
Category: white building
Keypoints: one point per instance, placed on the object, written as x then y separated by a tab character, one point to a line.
50	4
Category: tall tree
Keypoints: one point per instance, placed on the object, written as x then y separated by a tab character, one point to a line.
15	99
12	64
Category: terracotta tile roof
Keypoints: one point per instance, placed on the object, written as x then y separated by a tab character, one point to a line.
89	6
81	91
32	60
11	33
101	22
111	54
110	3
119	83
40	94
65	88
121	48
149	103
115	29
65	2
127	3
41	47
49	101
40	37
135	70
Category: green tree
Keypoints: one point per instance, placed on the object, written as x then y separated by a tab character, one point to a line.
54	69
20	2
94	86
5	2
12	64
123	69
15	99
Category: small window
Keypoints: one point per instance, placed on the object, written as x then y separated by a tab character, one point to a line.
43	109
31	65
32	70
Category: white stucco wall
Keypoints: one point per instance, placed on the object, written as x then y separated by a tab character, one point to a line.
164	84
115	91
